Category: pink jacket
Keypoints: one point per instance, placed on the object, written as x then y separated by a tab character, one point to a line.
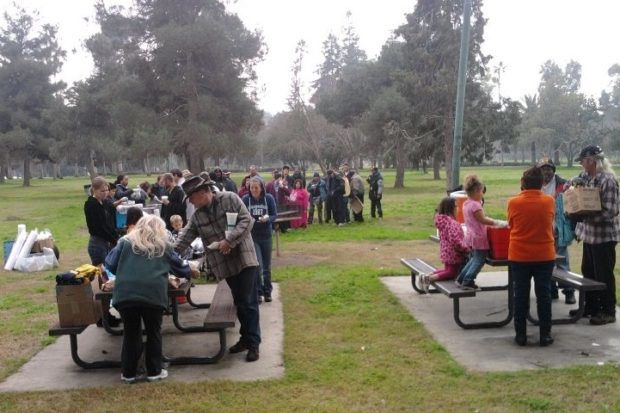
451	247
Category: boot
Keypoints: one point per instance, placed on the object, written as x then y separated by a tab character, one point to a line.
521	333
545	336
569	297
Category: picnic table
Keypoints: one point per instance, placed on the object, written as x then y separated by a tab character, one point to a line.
221	315
183	290
284	216
453	291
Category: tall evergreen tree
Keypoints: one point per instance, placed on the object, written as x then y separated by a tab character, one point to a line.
29	58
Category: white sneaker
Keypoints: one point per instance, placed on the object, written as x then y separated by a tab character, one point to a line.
426	282
128	380
162	375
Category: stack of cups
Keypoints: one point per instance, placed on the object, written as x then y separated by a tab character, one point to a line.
231	222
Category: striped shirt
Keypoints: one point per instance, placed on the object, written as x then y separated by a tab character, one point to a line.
602	226
209	223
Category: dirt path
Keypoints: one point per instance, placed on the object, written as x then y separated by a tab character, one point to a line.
382	254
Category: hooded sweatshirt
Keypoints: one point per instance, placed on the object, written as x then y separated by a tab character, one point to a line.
264	205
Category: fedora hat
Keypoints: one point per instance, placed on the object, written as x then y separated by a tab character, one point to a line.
196	183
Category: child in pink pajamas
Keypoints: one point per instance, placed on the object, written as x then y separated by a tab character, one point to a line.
452	251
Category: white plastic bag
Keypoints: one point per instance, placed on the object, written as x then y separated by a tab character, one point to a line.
43	261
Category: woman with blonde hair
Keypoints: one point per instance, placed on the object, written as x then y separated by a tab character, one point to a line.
141	262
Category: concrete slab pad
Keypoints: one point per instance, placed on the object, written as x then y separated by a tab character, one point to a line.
53	369
494	349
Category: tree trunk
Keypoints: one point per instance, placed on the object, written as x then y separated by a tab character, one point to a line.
533	152
4	173
145	165
436	165
92	168
27	175
399	182
56	171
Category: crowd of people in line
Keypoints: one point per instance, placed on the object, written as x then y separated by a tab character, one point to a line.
540	233
147	249
200	206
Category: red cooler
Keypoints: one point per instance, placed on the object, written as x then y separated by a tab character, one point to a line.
498	241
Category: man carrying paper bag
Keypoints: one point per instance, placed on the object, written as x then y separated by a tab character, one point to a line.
599	232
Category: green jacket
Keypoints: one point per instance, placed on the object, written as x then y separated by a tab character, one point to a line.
141	281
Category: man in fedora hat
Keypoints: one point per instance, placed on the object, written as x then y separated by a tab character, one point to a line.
599	233
229	252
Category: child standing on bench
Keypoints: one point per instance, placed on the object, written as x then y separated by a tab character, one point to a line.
452	250
476	235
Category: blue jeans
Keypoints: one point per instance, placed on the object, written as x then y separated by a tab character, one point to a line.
522	273
474	265
245	295
263	249
98	249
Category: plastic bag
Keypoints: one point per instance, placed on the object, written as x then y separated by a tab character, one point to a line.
42	261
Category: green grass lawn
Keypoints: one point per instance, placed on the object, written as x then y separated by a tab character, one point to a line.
349	345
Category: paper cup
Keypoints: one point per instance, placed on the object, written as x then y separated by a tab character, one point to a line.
164	197
231	218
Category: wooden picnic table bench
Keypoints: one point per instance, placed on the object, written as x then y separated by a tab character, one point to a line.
221	315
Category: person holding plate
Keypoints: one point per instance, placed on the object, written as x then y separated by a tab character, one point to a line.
233	259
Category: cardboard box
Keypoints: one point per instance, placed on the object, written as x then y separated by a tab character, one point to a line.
581	200
40	244
76	305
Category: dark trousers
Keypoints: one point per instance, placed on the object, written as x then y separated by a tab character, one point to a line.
263	247
339	208
598	264
375	205
522	273
132	339
98	249
245	295
328	210
319	212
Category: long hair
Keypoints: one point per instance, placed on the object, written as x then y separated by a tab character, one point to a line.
603	165
149	237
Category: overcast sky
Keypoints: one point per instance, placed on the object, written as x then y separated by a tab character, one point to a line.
522	34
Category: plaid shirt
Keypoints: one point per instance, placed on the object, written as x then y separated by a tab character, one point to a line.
602	226
209	223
